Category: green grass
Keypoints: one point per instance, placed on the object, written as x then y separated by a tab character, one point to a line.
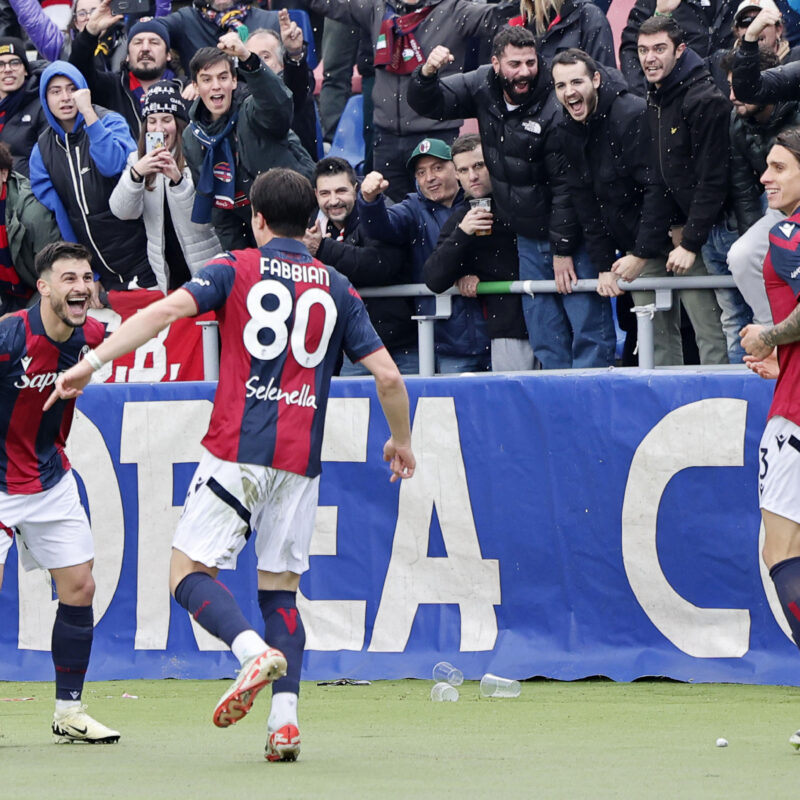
590	739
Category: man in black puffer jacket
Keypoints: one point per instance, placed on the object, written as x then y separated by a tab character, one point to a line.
754	127
688	120
619	199
517	116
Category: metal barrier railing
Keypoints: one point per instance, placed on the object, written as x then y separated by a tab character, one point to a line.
663	288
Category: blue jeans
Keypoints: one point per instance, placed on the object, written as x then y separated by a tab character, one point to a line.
407	361
735	312
565	330
452	365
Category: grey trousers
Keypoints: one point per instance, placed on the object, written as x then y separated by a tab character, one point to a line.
704	314
746	263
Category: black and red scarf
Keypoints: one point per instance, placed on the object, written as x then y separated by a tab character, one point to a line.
397	49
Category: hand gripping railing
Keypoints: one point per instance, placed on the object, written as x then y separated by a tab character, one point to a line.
663	288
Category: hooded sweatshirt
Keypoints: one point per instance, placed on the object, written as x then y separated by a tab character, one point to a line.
73	174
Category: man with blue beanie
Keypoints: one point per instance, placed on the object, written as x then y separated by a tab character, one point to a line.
147	63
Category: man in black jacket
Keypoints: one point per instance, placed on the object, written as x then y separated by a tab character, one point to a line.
754	127
476	244
336	238
147	63
517	116
21	115
688	120
707	25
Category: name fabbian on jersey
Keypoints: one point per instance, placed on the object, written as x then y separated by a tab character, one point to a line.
302	397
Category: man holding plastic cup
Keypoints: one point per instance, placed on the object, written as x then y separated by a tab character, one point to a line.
474	245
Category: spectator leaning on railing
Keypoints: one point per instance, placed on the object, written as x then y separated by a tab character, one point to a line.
462	344
688	121
477	244
517	116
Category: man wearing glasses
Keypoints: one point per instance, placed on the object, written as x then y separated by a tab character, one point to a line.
21	116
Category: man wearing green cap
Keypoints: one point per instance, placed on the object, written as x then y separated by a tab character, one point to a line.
462	342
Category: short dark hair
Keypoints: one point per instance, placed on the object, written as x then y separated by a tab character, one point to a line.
790	139
514	35
208	57
575	56
663	25
285	199
333	165
6	159
767	59
55	251
466	143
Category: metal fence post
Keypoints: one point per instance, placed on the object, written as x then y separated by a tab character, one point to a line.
210	349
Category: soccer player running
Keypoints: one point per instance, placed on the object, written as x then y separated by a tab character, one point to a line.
38	493
284	317
768	347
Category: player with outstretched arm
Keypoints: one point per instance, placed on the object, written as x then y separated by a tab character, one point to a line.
283	318
38	493
768	347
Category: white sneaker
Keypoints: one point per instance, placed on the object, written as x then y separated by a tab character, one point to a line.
794	740
256	673
75	725
283	744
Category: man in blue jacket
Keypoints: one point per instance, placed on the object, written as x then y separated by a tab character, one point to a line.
462	342
75	166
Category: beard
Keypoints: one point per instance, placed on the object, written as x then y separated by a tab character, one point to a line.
517	97
147	73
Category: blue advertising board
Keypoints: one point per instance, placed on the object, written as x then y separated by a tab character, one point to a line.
565	525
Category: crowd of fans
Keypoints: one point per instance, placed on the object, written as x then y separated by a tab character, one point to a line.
139	137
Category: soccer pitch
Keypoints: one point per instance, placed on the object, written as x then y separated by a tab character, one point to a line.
593	739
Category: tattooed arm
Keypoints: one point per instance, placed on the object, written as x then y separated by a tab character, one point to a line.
759	341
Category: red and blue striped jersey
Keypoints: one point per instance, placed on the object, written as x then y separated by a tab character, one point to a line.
284	317
32	456
782	282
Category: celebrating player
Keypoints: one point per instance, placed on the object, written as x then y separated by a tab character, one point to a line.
779	475
38	494
284	317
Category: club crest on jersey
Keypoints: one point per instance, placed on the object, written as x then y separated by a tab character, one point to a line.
787	229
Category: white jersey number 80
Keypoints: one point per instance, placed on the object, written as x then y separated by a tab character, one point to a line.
275	321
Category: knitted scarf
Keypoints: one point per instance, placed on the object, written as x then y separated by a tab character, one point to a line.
9	106
216	181
228	20
397	49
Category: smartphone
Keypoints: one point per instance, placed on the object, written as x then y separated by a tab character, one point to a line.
133	8
153	140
